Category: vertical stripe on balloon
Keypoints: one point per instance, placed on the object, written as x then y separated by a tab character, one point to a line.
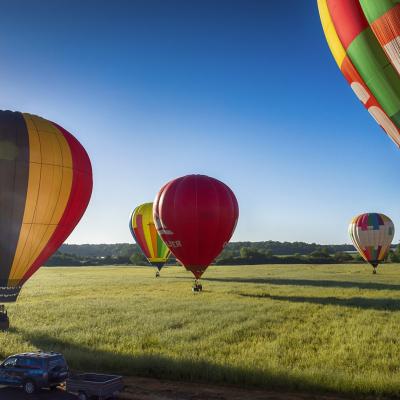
14	171
49	188
79	195
153	235
387	30
139	231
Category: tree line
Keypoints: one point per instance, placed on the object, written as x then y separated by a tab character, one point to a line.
277	248
235	253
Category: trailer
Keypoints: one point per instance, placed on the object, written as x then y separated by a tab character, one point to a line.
89	385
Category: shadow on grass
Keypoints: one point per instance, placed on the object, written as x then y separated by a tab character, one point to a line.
18	394
309	282
354	302
85	358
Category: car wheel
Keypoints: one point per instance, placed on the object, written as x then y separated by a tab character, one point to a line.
83	396
29	387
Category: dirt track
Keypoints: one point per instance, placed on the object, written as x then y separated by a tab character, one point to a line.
153	389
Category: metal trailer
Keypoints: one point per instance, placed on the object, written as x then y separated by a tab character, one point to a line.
100	386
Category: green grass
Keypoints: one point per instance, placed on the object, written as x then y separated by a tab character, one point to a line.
323	328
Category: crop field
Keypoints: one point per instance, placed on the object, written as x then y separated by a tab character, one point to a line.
299	327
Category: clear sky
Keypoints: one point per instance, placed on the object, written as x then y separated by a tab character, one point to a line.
242	90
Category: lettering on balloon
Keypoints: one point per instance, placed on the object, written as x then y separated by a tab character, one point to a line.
174	244
165	232
161	230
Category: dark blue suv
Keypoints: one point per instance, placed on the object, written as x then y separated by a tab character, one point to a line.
34	370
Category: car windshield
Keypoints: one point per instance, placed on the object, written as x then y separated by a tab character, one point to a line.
11	362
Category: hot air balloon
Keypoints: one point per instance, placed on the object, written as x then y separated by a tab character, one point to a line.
372	235
364	37
196	216
45	187
142	227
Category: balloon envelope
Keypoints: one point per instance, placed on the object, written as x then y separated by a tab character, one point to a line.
45	187
372	235
142	227
363	36
196	216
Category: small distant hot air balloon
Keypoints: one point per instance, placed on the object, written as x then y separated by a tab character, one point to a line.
363	36
196	216
142	227
45	187
372	235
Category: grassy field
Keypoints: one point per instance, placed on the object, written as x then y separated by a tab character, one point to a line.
322	328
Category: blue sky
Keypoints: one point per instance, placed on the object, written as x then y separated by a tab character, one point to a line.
242	90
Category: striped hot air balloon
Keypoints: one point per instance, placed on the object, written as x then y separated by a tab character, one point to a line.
372	235
45	187
144	232
364	37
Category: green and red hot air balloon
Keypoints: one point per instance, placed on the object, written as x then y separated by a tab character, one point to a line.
364	38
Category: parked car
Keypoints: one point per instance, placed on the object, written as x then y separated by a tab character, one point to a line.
34	370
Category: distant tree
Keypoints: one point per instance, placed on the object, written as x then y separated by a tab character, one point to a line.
358	258
268	253
341	257
244	252
394	256
61	259
138	259
323	253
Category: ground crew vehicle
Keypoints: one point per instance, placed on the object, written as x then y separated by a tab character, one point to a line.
34	370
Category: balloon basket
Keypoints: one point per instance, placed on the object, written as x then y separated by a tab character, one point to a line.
157	274
197	287
4	320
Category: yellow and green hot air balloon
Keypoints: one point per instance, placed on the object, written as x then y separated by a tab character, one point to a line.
142	227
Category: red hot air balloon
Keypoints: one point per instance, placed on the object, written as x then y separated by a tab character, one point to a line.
196	216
